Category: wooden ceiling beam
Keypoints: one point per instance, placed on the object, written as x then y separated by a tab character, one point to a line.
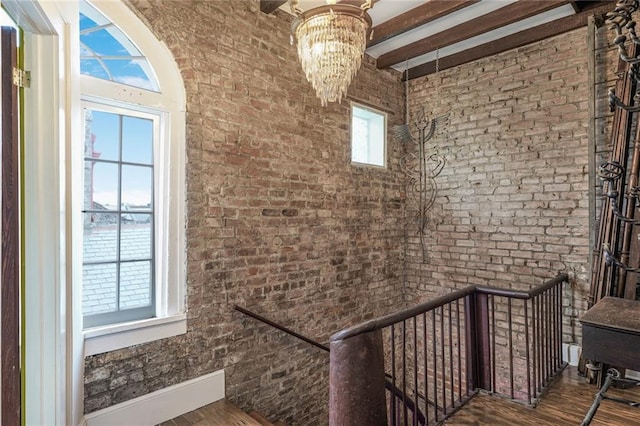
268	6
514	41
423	14
504	16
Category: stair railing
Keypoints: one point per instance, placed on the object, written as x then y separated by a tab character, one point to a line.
281	328
397	394
440	353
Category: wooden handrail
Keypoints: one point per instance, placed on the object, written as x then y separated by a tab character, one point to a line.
357	357
387	320
396	317
397	393
526	295
281	328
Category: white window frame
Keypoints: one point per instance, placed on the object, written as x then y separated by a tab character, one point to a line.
169	186
54	359
384	134
157	118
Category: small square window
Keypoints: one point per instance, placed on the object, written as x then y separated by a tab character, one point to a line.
368	136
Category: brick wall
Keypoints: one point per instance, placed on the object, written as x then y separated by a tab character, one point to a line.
279	222
512	205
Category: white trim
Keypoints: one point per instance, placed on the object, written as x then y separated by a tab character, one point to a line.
385	118
29	16
631	374
162	405
571	353
109	338
53	358
169	158
44	277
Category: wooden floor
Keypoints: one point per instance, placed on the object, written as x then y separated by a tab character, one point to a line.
220	413
566	403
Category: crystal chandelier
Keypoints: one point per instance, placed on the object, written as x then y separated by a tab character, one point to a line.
331	41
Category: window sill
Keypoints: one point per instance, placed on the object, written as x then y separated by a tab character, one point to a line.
109	338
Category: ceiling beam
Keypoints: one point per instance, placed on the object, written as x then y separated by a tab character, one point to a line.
514	41
268	6
504	16
423	14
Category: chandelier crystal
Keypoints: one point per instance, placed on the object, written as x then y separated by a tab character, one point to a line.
331	41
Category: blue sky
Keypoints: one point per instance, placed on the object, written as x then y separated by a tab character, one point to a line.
107	52
137	147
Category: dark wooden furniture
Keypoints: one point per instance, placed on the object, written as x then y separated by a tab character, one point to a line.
611	333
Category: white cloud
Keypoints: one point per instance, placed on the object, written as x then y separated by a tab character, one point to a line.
133	197
129	80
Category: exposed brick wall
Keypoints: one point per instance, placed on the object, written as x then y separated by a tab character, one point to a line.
512	205
279	221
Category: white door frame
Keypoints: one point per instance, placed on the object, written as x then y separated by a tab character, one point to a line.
53	343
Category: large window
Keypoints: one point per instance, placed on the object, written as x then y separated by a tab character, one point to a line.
133	180
118	217
368	135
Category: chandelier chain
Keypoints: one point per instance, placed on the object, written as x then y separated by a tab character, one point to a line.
406	92
438	72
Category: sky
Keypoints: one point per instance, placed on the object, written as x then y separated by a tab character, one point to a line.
127	66
136	146
107	53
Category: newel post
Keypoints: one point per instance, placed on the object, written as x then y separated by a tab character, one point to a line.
478	341
357	382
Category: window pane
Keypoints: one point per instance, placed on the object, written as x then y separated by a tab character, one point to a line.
102	135
86	22
137	187
102	43
359	140
99	288
135	240
128	72
135	284
368	136
137	140
100	186
119	221
93	68
100	237
101	39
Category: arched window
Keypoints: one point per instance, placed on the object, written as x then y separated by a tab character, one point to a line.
133	191
107	53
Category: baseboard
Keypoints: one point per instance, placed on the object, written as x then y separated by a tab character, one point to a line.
162	405
571	353
631	374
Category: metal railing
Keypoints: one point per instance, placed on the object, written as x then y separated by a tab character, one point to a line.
408	403
281	328
440	353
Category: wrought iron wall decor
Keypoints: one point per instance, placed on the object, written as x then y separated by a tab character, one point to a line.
421	166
